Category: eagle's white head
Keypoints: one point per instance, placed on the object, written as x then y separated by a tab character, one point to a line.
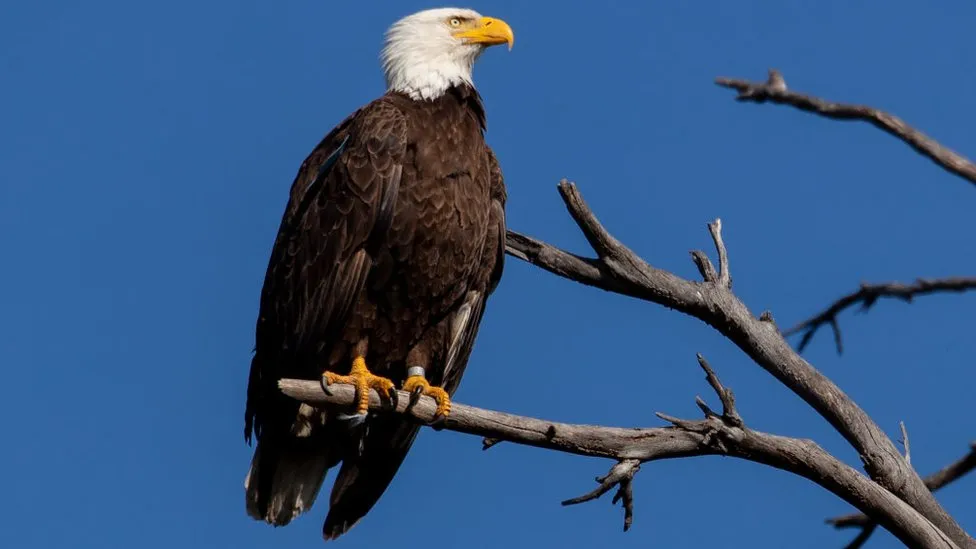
428	52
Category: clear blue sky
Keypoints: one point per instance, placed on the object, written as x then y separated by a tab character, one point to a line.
146	152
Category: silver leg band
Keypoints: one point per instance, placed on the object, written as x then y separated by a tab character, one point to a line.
415	371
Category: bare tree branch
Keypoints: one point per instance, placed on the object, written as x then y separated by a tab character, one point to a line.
724	276
869	294
619	270
775	91
862	537
905	443
705	267
729	413
631	447
869	527
620	475
488	442
936	481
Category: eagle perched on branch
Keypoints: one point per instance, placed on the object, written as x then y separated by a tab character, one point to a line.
391	242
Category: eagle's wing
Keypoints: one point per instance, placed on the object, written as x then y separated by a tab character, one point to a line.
467	320
341	205
361	482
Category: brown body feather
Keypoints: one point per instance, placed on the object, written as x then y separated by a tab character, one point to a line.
392	250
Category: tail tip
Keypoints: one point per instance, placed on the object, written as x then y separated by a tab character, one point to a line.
332	529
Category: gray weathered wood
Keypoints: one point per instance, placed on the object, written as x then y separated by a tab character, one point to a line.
618	269
936	481
869	294
760	92
711	436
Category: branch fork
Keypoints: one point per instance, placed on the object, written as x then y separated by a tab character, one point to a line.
621	475
934	482
709	274
715	428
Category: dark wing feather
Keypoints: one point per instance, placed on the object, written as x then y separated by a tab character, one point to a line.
467	319
340	206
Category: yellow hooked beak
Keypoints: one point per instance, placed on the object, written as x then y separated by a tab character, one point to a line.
488	31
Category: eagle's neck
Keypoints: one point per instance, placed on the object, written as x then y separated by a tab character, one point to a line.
426	71
429	84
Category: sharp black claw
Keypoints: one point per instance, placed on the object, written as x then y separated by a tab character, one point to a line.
324	382
394	397
437	423
415	395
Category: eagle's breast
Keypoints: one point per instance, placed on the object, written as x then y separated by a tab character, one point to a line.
440	221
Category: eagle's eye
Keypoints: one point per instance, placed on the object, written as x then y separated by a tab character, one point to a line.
455	22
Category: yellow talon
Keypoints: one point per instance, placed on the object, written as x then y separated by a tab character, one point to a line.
364	380
421	385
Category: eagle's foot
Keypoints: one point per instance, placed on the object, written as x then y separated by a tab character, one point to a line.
418	385
364	380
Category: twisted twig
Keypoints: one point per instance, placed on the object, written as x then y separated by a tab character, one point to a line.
869	294
775	91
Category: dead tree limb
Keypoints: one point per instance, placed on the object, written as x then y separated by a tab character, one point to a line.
906	443
716	434
775	90
862	537
621	476
937	480
869	294
618	269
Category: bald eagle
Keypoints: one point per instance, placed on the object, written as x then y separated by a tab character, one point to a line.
392	241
